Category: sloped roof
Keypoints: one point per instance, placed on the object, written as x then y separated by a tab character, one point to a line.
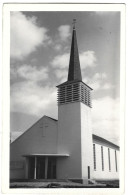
51	118
102	140
95	137
71	82
33	125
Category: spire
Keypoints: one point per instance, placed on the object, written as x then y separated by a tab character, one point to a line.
74	63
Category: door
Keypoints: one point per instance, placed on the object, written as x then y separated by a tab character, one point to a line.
31	163
51	173
88	172
40	173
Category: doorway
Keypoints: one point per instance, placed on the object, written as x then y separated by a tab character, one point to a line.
41	167
88	172
51	173
31	166
40	172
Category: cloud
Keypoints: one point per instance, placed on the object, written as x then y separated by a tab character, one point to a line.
105	13
99	76
26	35
60	41
14	135
98	81
61	75
28	95
57	47
32	72
87	59
105	118
30	98
64	32
100	85
60	61
95	85
107	86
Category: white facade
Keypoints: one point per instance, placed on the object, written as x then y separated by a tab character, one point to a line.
75	138
110	168
69	140
69	147
41	138
86	142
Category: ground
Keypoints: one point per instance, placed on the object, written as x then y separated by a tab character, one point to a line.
62	184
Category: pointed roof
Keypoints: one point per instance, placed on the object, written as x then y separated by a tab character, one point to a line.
74	63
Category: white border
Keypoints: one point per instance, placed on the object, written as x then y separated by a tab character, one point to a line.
6	92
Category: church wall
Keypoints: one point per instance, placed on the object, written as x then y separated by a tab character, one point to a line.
86	141
107	172
40	138
69	141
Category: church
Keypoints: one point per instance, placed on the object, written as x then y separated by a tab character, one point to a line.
66	148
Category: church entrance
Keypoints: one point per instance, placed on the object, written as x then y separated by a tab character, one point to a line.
41	167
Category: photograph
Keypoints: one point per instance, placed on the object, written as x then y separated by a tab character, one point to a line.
65	78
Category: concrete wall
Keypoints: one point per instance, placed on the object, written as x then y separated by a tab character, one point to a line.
69	141
39	139
86	141
74	138
106	174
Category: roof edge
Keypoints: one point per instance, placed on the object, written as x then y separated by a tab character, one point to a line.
101	139
32	126
74	81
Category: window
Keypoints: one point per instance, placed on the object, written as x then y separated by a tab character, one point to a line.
116	160
102	157
94	156
109	161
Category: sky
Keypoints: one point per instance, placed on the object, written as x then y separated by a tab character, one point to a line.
39	59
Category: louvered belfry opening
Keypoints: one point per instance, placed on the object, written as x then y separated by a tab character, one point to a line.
74	90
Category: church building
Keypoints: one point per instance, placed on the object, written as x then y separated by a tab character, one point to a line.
66	148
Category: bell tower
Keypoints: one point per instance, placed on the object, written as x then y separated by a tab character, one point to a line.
74	122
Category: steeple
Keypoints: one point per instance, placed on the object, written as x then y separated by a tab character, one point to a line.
74	63
74	89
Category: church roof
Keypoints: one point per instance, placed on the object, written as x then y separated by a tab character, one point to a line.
95	137
74	63
53	119
71	82
102	140
98	138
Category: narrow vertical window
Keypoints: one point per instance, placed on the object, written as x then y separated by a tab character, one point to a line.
109	160
102	157
94	156
116	160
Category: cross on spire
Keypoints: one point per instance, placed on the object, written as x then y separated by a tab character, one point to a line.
74	22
